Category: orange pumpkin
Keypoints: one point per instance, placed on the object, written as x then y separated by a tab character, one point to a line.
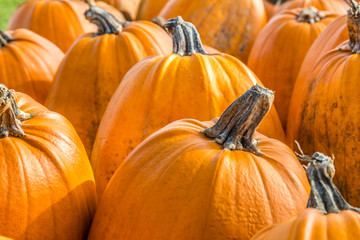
96	64
276	61
336	6
152	95
60	21
48	188
330	109
229	26
148	9
334	34
115	12
128	8
327	217
180	184
28	62
272	7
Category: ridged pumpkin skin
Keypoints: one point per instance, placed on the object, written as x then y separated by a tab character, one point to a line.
270	9
335	6
179	184
60	21
334	34
311	224
328	215
229	26
28	63
48	189
96	65
329	117
148	9
128	7
276	61
110	9
159	90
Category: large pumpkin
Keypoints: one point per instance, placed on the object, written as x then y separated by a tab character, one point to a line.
47	185
280	48
148	9
330	109
336	6
334	34
60	21
181	184
159	90
96	64
28	62
327	217
229	26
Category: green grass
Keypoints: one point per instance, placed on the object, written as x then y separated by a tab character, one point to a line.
7	7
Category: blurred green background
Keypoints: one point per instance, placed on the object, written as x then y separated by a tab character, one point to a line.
7	7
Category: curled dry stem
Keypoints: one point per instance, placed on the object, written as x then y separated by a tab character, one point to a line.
10	114
324	195
236	127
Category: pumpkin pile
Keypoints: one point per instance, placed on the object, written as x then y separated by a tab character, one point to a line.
116	122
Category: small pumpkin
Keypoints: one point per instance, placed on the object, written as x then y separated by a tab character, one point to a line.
28	62
229	26
327	217
181	184
48	188
334	34
162	89
335	6
60	21
276	61
96	64
330	109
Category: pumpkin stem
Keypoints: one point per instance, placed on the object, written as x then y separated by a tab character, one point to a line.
4	39
90	2
324	195
236	126
105	21
10	114
186	39
353	22
277	2
160	21
310	15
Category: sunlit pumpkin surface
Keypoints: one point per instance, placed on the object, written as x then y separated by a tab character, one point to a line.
313	225
47	186
95	66
28	63
159	90
60	21
178	184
